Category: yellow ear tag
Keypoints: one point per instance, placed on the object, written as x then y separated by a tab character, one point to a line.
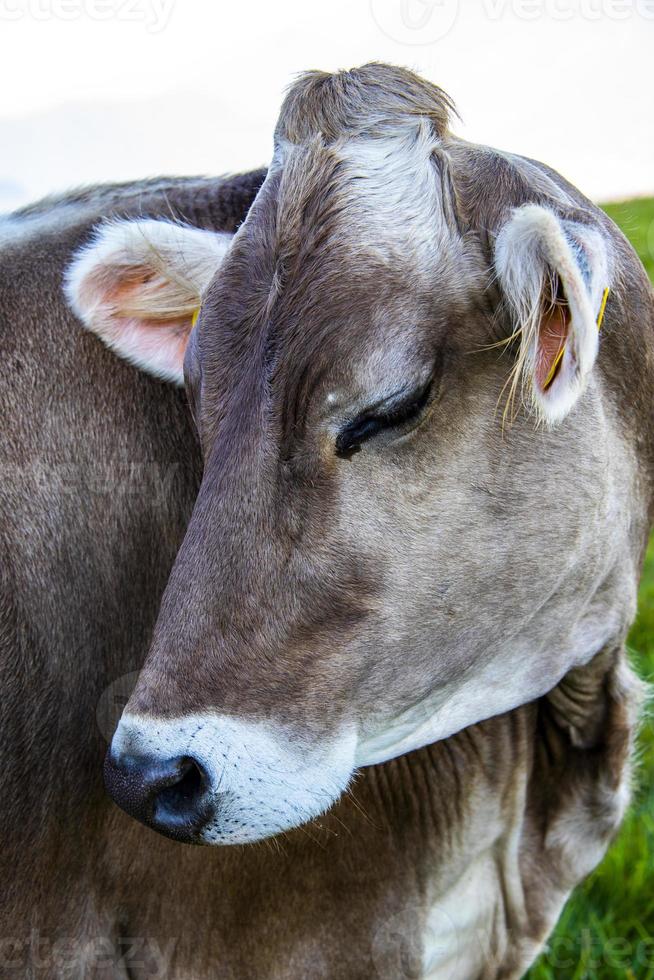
194	318
557	359
600	315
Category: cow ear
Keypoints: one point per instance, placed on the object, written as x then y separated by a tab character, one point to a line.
554	276
138	285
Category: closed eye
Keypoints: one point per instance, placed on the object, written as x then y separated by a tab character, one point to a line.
400	415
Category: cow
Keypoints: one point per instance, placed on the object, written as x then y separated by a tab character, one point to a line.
393	633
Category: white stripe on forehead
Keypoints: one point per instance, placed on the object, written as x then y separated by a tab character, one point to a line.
394	189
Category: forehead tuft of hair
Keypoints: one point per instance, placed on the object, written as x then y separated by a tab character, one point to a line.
375	100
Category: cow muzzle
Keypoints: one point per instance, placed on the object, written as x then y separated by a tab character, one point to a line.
217	779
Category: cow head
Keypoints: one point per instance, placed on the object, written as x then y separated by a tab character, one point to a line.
375	559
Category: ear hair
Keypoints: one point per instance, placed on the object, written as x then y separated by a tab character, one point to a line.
137	285
186	258
543	263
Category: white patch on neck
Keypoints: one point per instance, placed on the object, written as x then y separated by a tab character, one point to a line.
459	930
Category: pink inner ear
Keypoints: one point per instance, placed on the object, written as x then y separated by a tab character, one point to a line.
157	345
119	291
552	336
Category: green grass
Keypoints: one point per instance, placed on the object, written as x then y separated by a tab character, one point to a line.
606	931
636	220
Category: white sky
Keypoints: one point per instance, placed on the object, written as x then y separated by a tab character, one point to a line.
113	89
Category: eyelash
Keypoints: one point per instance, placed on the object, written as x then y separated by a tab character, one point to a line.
366	427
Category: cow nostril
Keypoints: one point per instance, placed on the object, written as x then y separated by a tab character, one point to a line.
170	795
181	801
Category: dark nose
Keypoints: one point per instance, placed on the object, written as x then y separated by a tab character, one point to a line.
169	795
